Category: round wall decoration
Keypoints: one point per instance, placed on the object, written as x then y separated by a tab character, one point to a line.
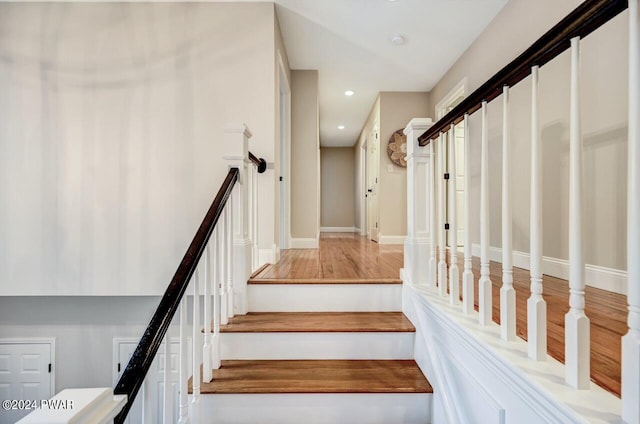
397	148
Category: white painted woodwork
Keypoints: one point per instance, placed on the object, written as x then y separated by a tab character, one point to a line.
167	387
228	223
24	374
220	248
433	222
325	297
236	139
577	335
442	243
631	340
467	276
183	377
484	284
255	207
216	278
507	292
318	345
536	306
197	342
207	281
320	408
419	174
454	273
93	405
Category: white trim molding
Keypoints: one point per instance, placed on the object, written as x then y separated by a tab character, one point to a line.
599	277
390	239
303	243
339	230
268	256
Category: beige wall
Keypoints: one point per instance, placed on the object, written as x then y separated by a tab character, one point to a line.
396	110
338	187
361	184
115	151
305	155
604	117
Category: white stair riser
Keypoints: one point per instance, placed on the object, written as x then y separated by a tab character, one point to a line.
391	345
325	297
346	408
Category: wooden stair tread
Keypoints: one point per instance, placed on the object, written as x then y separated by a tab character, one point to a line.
334	322
324	281
317	376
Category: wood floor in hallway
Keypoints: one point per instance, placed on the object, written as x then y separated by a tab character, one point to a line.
349	256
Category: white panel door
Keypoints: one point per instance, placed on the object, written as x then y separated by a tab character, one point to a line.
373	165
24	375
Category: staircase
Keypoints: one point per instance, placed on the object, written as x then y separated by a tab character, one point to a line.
319	351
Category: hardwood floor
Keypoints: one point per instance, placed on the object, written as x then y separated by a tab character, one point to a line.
329	322
348	256
341	256
317	376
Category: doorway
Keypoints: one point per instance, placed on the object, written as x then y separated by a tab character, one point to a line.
373	168
284	123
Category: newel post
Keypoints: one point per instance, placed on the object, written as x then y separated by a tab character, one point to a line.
419	173
236	153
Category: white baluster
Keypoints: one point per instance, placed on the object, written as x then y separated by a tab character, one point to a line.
536	306
183	411
147	401
217	271
229	248
197	347
454	276
167	408
507	292
222	255
484	284
205	266
577	339
256	249
468	294
631	340
442	264
433	264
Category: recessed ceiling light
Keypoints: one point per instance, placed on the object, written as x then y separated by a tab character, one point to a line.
349	93
392	1
398	40
340	127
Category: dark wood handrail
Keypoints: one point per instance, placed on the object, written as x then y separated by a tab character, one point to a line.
133	376
260	163
582	21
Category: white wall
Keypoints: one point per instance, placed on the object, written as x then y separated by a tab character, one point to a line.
604	118
113	152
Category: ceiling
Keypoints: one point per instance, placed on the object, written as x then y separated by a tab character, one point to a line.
349	43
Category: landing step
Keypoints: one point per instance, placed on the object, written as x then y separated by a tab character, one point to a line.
324	281
317	376
312	322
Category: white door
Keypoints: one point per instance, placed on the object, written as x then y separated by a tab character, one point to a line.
153	388
373	164
25	374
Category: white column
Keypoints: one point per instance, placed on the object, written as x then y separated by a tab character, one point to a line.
631	340
484	284
468	294
442	264
536	306
507	292
167	392
254	213
222	264
183	414
217	272
207	281
416	245
577	336
228	223
236	139
433	221
197	343
454	273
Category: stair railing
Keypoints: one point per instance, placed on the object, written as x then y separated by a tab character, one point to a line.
425	166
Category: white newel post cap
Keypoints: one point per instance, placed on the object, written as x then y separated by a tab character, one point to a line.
236	142
413	130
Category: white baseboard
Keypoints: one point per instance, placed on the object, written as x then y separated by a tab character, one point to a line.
390	239
357	230
338	229
600	277
304	243
268	256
